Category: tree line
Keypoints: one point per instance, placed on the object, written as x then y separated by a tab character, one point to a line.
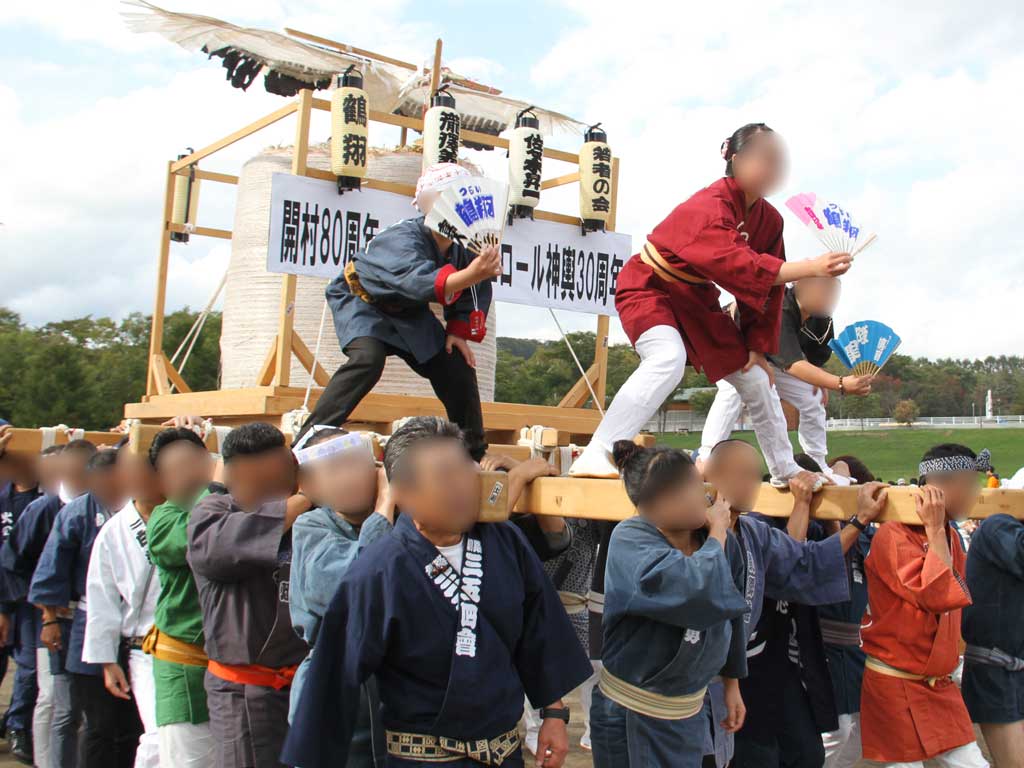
81	372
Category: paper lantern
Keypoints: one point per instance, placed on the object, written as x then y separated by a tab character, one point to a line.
525	156
441	130
349	110
595	180
185	200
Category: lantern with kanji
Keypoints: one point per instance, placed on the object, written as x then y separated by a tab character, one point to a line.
525	155
441	129
349	110
184	200
595	180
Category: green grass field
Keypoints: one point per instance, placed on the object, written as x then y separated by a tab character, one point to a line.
894	453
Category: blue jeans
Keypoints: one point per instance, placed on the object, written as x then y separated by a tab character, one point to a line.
623	738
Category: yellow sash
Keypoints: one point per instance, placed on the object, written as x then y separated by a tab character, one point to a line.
884	669
648	703
649	255
166	648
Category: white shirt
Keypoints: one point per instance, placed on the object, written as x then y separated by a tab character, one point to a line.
453	555
121	587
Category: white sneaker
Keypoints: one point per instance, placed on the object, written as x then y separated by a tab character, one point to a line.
595	461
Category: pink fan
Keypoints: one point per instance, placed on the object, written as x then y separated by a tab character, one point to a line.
834	227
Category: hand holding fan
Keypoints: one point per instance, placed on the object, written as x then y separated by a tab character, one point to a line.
834	227
864	347
471	212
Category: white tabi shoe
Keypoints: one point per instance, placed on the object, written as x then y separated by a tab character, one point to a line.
595	461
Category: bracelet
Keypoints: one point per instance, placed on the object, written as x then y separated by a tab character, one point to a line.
51	622
856	523
842	389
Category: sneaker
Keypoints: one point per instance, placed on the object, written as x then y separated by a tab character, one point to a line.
21	746
595	461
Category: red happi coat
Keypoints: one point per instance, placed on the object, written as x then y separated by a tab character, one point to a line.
913	624
710	236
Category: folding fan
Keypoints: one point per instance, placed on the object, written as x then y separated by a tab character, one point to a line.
834	227
864	347
471	211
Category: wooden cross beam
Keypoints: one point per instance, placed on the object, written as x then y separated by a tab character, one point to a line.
595	499
31	441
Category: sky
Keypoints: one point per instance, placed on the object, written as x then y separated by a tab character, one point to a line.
906	113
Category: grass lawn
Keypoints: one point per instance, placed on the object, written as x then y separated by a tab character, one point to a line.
894	453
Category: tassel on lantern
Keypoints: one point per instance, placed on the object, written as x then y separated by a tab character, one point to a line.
349	111
441	129
595	180
186	197
525	156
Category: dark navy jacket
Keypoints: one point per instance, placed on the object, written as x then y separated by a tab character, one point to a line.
59	578
403	271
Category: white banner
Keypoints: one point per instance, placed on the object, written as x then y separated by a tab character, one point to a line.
315	231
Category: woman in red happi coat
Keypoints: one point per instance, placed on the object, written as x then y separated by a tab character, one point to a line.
726	235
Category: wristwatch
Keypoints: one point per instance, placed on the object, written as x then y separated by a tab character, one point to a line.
856	523
555	713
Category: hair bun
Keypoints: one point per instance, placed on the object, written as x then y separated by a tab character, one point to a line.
623	451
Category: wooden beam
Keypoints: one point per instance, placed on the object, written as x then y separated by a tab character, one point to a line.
606	500
223	234
578	395
387	186
601	360
223	178
560	181
305	356
161	378
561	218
140	438
346	48
435	71
30	441
286	311
266	375
175	378
231	138
156	330
494	501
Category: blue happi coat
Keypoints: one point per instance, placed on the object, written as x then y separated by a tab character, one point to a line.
323	547
21	551
672	621
403	271
393	616
781	568
13	587
59	577
995	619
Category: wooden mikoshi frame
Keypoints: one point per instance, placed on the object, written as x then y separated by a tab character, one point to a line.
272	394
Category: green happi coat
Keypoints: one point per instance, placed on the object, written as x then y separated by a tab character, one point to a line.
180	694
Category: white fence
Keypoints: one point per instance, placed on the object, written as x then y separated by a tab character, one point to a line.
687	421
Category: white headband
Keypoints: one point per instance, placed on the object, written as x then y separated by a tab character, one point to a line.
351	442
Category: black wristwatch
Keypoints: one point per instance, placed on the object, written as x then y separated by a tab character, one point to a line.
856	523
555	713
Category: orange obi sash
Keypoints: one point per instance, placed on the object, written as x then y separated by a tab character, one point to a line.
254	674
162	646
650	256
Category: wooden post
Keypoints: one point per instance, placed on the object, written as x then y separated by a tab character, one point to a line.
601	360
286	311
156	331
435	73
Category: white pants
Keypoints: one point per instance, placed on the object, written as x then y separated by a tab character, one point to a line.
967	756
186	745
42	715
842	747
140	677
728	405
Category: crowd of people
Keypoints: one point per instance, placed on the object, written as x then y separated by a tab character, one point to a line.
304	606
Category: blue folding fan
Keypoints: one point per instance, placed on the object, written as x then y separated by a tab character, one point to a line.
864	347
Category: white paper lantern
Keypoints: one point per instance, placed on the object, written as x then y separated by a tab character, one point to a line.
525	157
441	130
350	107
184	200
595	180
